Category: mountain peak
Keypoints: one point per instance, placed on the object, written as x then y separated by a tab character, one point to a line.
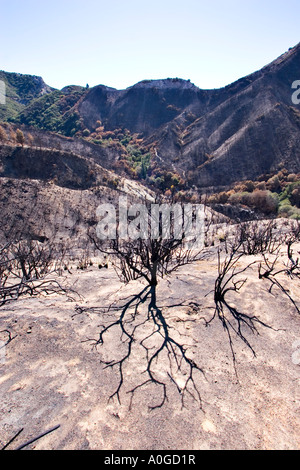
172	83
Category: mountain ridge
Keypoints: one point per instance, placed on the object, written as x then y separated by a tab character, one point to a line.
209	137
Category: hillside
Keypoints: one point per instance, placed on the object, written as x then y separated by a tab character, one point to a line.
55	192
21	90
208	355
208	138
56	111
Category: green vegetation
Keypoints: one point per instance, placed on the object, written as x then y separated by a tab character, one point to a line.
134	159
289	201
166	181
55	112
139	162
22	87
10	110
277	195
20	91
31	102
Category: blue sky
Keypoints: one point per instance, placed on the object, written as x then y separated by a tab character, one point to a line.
118	43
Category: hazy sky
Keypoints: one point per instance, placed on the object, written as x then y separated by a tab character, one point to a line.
118	43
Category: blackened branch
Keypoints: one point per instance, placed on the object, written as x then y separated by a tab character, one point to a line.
158	345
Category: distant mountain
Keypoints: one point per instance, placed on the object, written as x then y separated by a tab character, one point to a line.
209	138
142	108
251	129
55	111
21	90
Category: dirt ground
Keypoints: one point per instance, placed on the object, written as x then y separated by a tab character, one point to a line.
51	374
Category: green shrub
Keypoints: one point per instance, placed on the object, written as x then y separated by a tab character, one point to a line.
261	200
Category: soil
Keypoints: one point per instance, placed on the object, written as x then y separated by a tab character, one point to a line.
51	372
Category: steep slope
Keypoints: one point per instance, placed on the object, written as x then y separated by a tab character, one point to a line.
252	130
66	169
56	112
20	90
211	138
143	107
55	193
